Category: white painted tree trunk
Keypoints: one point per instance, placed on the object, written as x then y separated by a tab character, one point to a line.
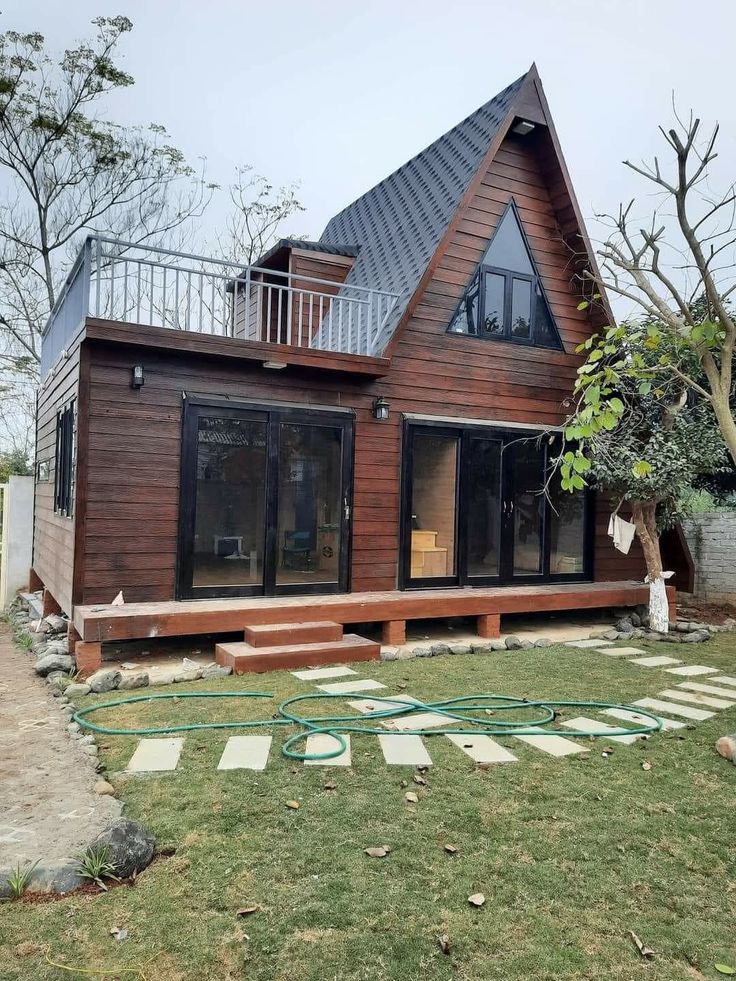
659	611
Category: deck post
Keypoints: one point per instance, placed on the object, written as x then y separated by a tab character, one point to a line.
489	625
88	656
672	604
35	583
49	604
72	637
394	632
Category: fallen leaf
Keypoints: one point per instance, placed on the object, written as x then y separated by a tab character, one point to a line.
450	849
293	804
247	910
646	765
419	780
445	944
411	798
641	946
120	933
379	852
477	899
724	969
330	785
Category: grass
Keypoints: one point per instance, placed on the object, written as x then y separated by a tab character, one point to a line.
571	854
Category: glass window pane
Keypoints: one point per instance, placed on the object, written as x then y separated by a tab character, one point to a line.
521	308
545	332
484	502
507	249
310	504
434	478
567	530
229	502
465	320
493	303
527	502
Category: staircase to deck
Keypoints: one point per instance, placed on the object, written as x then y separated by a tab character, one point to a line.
273	646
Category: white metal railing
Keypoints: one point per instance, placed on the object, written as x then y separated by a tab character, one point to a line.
121	281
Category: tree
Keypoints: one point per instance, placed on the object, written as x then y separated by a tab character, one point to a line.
68	171
644	446
680	272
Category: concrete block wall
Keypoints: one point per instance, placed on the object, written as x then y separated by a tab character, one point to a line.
711	537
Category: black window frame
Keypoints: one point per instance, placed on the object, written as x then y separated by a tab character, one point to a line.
64	461
508	291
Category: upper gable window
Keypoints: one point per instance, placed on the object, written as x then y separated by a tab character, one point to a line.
505	299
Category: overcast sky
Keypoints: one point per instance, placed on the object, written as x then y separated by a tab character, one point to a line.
336	95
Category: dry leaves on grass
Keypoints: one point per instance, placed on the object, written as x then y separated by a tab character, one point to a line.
445	943
293	805
641	946
450	849
247	910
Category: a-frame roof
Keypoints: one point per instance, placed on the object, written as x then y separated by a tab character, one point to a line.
399	224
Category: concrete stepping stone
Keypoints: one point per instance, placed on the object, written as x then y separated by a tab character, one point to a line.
420	720
482	749
316	674
245	753
708	690
155	755
627	716
554	745
724	679
655	662
696	699
404	750
684	711
323	742
692	670
348	687
599	728
620	651
583	643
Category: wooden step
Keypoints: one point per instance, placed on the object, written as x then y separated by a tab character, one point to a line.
243	657
289	634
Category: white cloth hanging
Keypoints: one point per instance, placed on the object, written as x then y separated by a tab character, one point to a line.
622	532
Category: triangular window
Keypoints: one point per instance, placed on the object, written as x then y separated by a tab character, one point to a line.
505	299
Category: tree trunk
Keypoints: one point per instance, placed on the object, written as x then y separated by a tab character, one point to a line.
644	515
726	421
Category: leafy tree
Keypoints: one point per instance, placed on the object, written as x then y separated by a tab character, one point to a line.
14	462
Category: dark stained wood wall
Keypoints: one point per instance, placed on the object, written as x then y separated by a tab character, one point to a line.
131	523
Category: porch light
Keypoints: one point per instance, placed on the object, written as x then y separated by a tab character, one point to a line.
380	409
275	365
523	127
137	380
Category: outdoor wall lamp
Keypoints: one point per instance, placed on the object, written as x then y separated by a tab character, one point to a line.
137	380
380	409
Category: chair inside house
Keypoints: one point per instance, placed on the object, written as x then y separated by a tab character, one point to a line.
296	552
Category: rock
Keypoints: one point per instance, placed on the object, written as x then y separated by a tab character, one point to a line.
53	662
133	681
73	728
682	626
459	648
439	649
58	645
482	647
130	846
220	671
624	626
599	634
77	690
696	637
512	643
88	740
56	624
543	642
191	674
103	787
610	635
635	618
422	652
526	644
624	634
726	747
89	748
387	654
106	679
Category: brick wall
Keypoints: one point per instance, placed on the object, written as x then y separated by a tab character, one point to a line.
712	541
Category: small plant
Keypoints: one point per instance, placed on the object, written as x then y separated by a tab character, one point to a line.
95	865
19	878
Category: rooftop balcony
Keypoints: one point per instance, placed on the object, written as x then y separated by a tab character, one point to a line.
120	282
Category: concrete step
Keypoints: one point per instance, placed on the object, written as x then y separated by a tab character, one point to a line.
243	657
288	634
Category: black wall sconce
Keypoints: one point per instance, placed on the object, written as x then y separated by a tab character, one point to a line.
380	409
137	380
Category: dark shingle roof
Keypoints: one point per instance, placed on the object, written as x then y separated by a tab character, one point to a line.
398	224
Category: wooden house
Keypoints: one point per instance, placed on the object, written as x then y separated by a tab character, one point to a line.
353	430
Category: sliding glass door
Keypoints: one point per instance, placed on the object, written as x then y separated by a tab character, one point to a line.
477	511
265	501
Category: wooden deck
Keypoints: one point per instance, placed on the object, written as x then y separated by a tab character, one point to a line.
96	625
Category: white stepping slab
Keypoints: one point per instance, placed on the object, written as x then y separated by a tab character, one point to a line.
404	750
316	674
708	690
627	716
599	728
620	651
694	698
583	643
725	679
554	745
420	720
692	670
245	753
684	711
655	662
368	705
482	749
348	687
323	742
155	755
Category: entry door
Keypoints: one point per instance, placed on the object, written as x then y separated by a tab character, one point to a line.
265	503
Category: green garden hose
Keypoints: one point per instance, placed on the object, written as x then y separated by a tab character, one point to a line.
457	710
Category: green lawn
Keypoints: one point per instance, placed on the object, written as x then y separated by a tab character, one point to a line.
571	854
